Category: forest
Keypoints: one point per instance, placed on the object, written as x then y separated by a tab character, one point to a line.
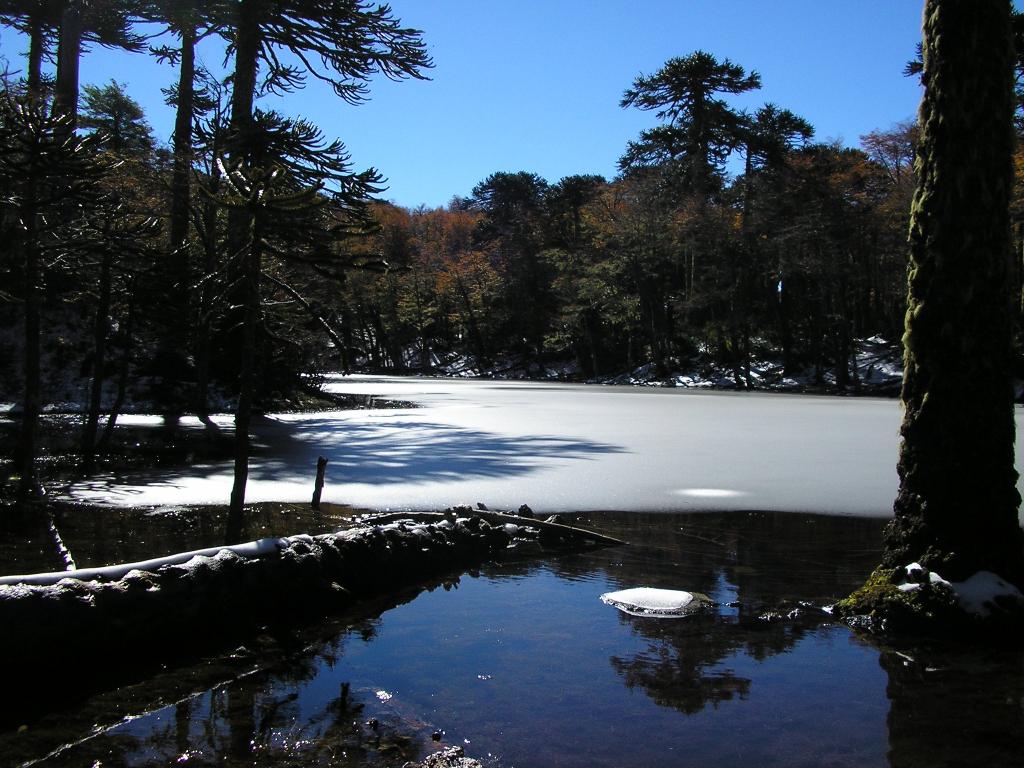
227	269
179	318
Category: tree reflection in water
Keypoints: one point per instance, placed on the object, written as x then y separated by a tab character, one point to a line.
774	572
683	680
268	717
261	706
954	706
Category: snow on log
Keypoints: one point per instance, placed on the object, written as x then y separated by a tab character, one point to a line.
258	548
983	594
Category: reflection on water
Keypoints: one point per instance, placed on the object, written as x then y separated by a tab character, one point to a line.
955	706
523	665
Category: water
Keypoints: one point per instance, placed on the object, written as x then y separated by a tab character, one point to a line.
524	666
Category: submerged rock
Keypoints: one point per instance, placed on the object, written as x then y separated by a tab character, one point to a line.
449	757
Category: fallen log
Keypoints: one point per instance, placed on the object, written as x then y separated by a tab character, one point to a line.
259	548
555	531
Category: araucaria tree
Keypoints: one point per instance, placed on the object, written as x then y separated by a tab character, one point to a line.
43	174
701	130
956	511
343	43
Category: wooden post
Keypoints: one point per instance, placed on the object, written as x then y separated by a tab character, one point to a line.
321	468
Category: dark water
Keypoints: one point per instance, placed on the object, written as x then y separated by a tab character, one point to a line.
524	666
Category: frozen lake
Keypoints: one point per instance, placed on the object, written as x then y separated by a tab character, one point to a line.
557	447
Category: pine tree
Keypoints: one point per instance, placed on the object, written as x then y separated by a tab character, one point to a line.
103	22
116	120
340	42
700	129
47	176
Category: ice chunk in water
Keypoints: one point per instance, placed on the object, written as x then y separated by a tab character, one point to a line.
647	601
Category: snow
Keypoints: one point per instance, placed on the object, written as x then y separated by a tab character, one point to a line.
648	601
250	549
917	575
979	595
877	364
556	447
985	590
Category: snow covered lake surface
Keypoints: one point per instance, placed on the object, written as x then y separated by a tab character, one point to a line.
557	448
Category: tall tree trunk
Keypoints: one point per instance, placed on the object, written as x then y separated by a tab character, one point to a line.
99	364
243	236
174	340
246	385
203	326
36	49
182	172
746	356
346	336
425	365
843	351
473	327
956	511
243	93
124	368
65	97
592	326
785	330
28	484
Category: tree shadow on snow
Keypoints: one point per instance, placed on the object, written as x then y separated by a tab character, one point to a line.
386	450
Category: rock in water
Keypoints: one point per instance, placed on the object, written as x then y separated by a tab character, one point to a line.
656	603
450	757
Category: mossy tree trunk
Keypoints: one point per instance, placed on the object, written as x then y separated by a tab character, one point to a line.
956	511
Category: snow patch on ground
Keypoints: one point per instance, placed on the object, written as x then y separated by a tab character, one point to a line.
876	366
917	576
983	594
710	493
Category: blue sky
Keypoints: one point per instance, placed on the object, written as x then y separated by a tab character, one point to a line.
534	85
